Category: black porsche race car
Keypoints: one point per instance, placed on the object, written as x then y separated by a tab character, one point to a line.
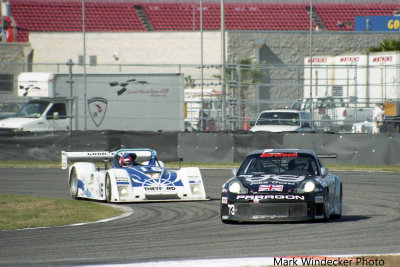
281	185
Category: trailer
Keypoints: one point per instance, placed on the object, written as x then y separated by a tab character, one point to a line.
362	78
361	81
129	102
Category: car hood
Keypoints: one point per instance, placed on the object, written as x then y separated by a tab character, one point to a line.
274	128
15	122
272	183
140	177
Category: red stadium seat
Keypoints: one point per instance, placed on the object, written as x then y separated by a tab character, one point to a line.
114	16
331	14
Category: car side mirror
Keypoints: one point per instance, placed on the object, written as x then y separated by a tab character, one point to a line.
53	116
234	171
324	171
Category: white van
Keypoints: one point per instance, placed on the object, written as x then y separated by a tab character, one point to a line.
283	120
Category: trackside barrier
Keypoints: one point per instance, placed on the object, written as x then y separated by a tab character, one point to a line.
377	149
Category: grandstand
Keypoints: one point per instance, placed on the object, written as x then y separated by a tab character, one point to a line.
125	16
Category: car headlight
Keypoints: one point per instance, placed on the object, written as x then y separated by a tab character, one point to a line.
309	187
237	188
195	189
123	191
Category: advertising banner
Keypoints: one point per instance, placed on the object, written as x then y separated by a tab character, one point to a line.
377	23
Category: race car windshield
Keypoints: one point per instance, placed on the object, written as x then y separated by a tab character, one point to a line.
133	158
279	118
298	164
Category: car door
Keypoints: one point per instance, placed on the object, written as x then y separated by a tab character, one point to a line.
56	117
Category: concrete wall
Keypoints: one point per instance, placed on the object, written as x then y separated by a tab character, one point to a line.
119	48
364	149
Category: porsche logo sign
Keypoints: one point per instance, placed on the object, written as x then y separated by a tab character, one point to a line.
97	109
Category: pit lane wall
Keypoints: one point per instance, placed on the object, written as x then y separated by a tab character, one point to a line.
379	149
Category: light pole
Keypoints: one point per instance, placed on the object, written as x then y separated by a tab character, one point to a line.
201	65
84	59
311	58
223	61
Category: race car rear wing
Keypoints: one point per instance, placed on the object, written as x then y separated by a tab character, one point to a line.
103	155
92	155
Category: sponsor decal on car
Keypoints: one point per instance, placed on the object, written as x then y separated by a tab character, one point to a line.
272	182
282	179
160	188
231	208
271	187
278	155
140	179
97	153
270	197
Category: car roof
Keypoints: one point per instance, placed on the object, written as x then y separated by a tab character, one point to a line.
283	150
284	110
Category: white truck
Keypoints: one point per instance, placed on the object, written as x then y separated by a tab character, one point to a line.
129	102
334	113
39	115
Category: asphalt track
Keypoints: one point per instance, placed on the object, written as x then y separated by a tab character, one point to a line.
193	230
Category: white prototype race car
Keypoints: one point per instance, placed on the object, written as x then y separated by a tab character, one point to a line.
136	175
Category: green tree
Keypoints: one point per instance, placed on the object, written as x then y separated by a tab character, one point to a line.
386	45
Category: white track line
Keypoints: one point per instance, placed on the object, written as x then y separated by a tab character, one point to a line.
329	260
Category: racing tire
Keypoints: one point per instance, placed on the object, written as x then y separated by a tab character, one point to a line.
229	221
108	189
326	208
339	215
73	184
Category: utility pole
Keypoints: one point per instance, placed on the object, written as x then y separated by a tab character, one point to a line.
223	63
71	82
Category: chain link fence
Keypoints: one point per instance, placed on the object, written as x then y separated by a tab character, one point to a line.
251	88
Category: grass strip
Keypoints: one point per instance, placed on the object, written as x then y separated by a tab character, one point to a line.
18	212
